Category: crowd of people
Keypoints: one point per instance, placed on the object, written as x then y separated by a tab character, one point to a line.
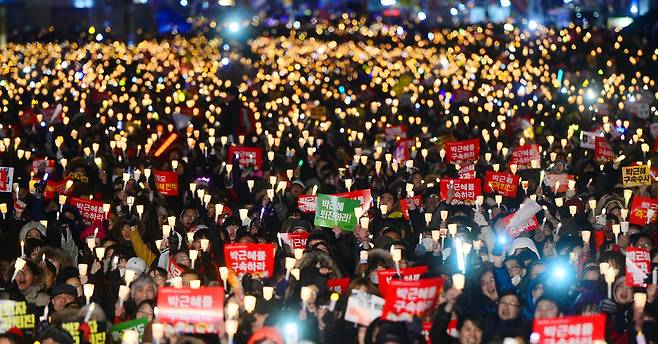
492	159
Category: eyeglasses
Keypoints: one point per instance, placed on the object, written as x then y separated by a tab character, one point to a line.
489	281
511	305
25	273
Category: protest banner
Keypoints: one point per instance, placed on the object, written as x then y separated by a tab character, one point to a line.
92	332
644	210
408	299
503	183
338	285
602	150
402	149
139	324
384	277
466	172
638	266
522	156
55	188
404	207
588	139
6	178
166	182
635	175
43	166
254	259
551	181
295	239
465	190
333	211
308	203
247	156
396	131
466	150
16	314
570	329
190	310
91	211
363	308
515	231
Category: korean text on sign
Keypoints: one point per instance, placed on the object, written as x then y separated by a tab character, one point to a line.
635	175
255	259
408	299
576	329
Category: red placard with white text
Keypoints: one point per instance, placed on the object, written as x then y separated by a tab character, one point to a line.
465	190
43	165
552	179
6	178
403	148
602	150
338	285
638	266
247	156
384	277
531	225
639	214
404	207
295	239
467	150
503	183
91	211
408	299
254	259
396	130
199	310
166	182
307	203
467	172
522	156
575	329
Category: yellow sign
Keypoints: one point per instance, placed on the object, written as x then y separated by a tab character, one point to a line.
635	175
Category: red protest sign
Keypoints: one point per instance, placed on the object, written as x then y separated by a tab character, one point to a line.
396	130
602	150
295	239
522	156
408	299
467	150
53	188
514	232
404	207
255	259
308	203
338	285
6	178
503	183
641	208
465	190
384	277
43	165
576	329
551	181
166	182
467	172
638	266
91	211
247	156
402	149
202	308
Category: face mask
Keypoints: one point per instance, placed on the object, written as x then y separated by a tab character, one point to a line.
516	280
374	278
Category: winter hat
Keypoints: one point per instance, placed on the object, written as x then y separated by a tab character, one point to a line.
32	225
136	264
